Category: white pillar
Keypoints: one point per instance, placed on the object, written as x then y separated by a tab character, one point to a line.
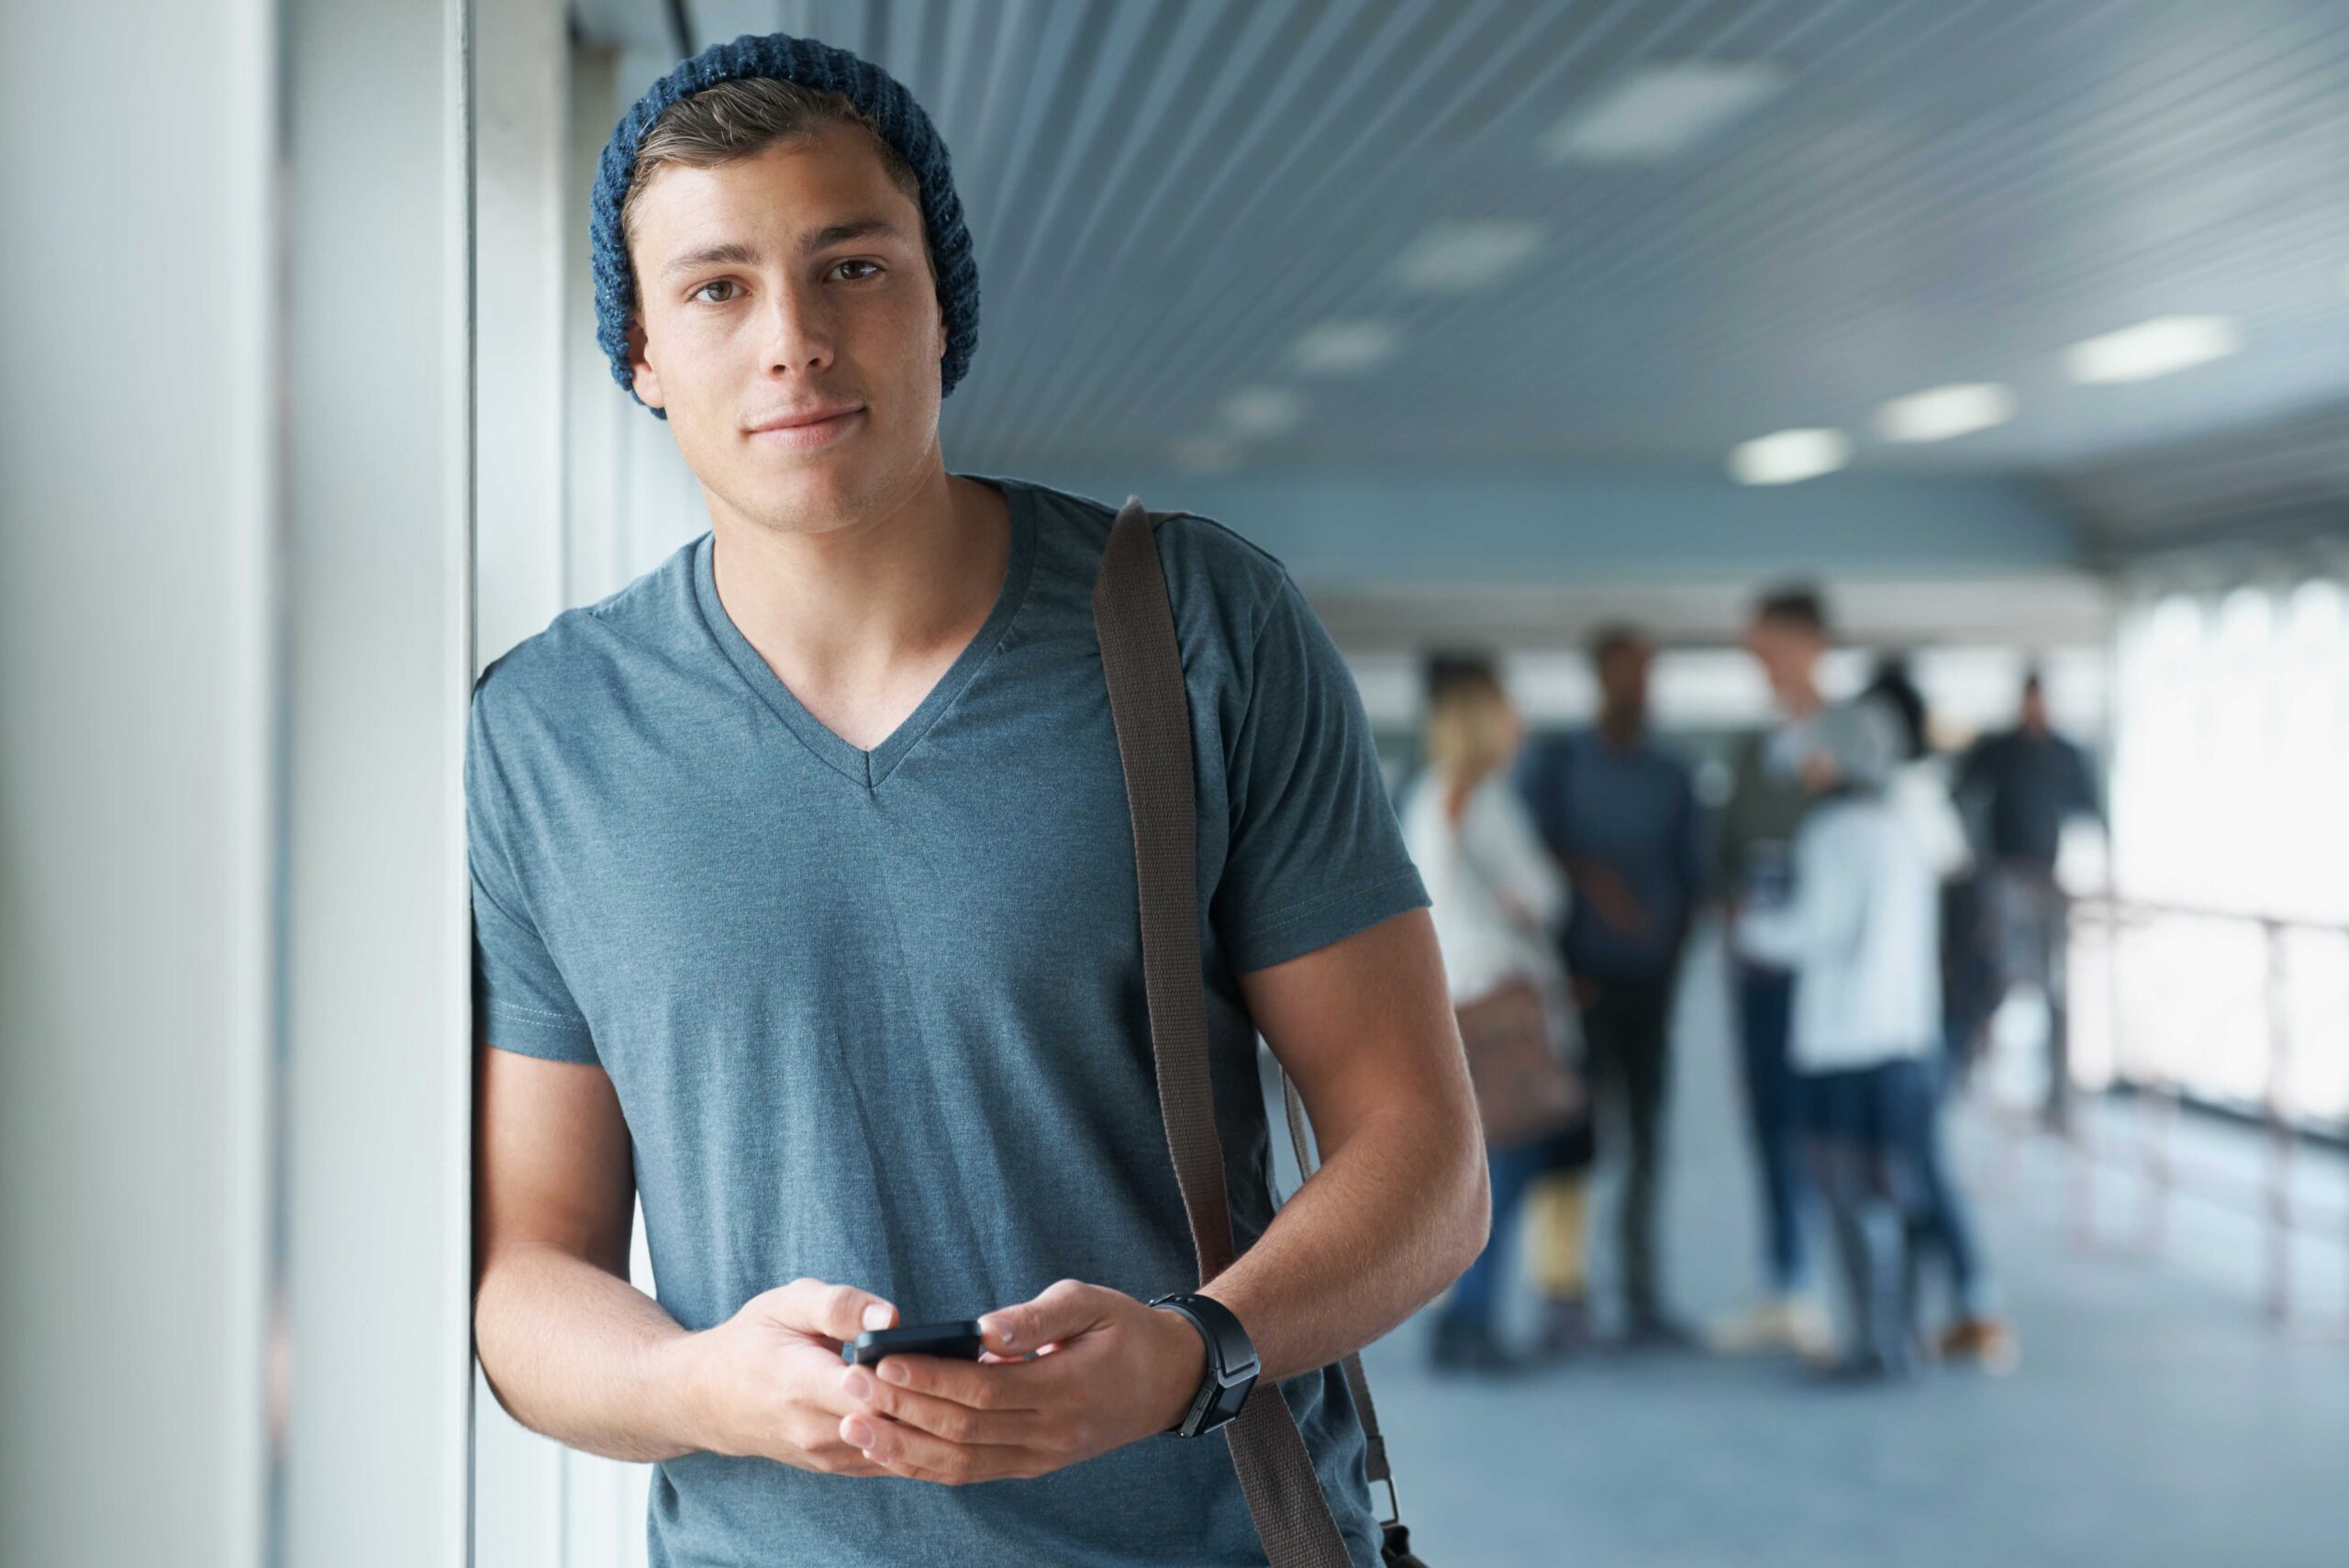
137	524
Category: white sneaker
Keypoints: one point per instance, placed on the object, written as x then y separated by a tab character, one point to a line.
1776	1323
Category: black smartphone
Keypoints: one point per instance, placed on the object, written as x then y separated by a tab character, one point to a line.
960	1340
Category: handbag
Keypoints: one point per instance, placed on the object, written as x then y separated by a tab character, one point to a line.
1150	709
1523	1092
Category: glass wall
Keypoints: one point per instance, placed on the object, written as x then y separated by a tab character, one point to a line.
2231	757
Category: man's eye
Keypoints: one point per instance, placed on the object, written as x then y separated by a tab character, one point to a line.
874	267
703	292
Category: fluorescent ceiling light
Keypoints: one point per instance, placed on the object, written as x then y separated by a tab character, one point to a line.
1339	348
1788	456
1455	256
1261	411
1943	412
1661	111
2152	347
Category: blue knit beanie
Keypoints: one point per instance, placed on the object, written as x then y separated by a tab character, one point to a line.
877	96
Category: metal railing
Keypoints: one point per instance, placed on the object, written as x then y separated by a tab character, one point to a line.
2287	1128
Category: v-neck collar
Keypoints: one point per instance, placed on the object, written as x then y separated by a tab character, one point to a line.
856	763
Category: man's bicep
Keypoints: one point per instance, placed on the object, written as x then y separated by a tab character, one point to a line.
554	1167
1364	1025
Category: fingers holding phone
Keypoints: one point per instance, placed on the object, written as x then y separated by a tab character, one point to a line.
767	1380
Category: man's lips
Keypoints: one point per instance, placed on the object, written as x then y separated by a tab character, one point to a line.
812	427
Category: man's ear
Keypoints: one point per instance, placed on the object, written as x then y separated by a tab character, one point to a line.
642	376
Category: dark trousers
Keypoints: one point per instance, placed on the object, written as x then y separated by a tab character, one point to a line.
2030	916
1765	1020
1872	1145
1941	1223
1628	1027
1514	1168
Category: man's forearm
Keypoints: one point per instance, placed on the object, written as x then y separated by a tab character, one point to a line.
581	1356
1392	1218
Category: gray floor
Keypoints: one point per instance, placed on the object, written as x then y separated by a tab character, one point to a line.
2157	1418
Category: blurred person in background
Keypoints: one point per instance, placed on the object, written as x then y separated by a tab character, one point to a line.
2019	788
1858	930
1619	814
1787	636
1969	988
1497	904
1918	791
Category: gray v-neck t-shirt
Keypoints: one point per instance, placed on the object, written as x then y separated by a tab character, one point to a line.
877	1017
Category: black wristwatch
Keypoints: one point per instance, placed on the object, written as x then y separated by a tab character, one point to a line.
1232	1363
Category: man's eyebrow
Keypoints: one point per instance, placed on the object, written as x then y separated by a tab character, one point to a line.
733	253
854	229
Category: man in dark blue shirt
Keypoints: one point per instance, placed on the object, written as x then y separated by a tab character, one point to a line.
1619	812
2017	789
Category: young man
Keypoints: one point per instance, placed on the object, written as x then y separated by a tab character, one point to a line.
805	912
2021	786
1619	814
1788	636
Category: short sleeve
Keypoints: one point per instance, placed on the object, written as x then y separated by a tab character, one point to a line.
519	996
1315	853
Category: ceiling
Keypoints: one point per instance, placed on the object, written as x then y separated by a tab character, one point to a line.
1165	194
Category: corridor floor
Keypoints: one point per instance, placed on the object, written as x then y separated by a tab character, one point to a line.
2157	1418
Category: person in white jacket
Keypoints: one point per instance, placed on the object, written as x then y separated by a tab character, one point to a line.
1859	928
1498	903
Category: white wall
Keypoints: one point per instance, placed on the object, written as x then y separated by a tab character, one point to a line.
377	424
137	540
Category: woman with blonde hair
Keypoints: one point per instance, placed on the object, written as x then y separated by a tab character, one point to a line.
1498	902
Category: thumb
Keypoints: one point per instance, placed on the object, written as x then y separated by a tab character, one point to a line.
832	1311
1061	1312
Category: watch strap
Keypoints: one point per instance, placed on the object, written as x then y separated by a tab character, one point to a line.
1232	1366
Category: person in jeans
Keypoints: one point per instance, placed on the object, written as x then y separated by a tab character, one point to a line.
2021	786
1618	812
1497	904
805	912
1941	1226
1858	930
1787	636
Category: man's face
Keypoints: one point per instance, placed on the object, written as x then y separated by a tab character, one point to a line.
788	284
1624	677
2034	709
1787	654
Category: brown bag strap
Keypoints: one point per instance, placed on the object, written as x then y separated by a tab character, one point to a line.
1151	710
1375	1465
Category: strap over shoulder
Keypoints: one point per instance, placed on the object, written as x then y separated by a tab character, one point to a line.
1141	661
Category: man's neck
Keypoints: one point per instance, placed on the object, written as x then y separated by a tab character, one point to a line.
1621	728
860	621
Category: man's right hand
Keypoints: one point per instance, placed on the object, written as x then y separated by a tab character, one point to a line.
767	1380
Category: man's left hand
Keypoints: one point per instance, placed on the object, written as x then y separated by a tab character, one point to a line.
1076	1371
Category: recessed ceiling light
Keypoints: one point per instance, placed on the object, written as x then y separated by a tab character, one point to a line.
1788	456
1205	454
1261	411
1455	256
2152	347
1660	111
1340	348
1940	413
